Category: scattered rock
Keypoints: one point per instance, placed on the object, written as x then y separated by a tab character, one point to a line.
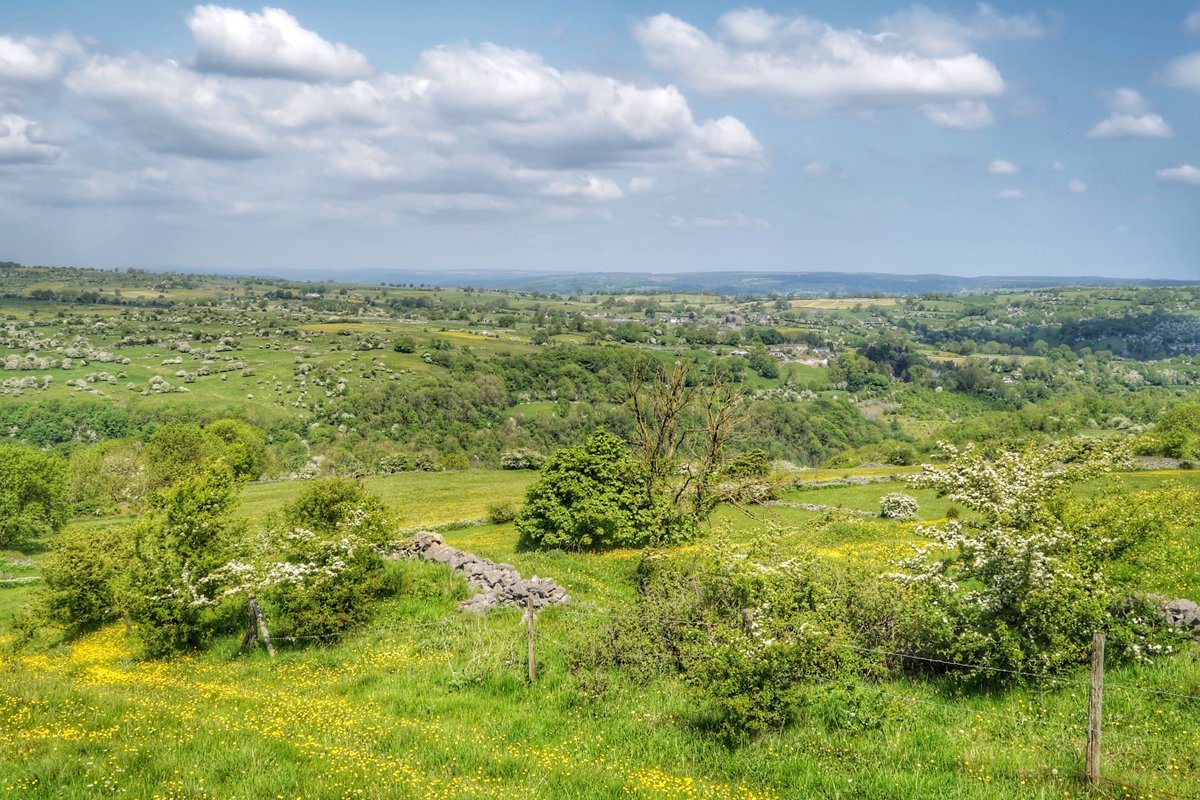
499	584
1183	613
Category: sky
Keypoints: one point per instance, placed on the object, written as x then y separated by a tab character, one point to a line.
957	138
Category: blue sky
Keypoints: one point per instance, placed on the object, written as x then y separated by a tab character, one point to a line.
957	138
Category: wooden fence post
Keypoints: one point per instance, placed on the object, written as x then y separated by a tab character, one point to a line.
530	632
1095	701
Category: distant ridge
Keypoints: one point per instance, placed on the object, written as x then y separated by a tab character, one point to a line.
723	282
728	282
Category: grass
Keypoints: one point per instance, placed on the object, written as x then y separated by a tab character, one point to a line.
431	703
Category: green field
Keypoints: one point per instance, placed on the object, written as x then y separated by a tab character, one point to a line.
427	702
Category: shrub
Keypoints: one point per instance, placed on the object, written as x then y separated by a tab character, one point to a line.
1026	586
455	462
521	459
749	464
33	489
80	576
395	462
758	635
177	550
591	497
898	506
333	505
502	512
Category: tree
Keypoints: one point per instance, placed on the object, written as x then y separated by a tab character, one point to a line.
179	550
593	497
81	576
33	489
241	445
1025	584
175	451
680	430
328	505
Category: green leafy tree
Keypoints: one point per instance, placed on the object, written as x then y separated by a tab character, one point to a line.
82	576
241	445
176	451
33	489
318	568
178	552
592	497
328	505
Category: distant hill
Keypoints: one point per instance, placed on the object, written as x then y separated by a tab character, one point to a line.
726	282
731	282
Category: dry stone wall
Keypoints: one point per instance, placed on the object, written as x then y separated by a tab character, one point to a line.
500	584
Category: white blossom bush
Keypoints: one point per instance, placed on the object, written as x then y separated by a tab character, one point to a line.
897	505
1025	581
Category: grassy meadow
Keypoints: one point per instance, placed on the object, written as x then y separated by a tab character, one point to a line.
431	703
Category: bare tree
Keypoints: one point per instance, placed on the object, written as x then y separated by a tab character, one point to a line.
676	418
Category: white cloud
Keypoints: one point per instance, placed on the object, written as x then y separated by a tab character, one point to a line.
1184	72
1184	173
172	109
33	60
966	115
270	43
1002	167
1010	194
587	187
469	131
641	185
1077	186
1130	117
810	62
939	34
1058	166
1192	23
20	142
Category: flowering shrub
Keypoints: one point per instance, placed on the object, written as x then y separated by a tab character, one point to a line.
521	459
761	635
1024	584
897	506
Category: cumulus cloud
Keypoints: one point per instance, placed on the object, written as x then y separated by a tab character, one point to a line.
34	60
1130	117
940	34
1010	194
966	115
570	118
266	117
1002	167
271	44
1184	173
172	109
1077	186
588	187
20	142
1184	72
810	62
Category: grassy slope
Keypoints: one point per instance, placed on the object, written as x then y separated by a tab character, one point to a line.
434	704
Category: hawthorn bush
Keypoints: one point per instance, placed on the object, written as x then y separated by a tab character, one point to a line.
591	497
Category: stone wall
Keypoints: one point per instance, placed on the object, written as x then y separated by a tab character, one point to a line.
499	584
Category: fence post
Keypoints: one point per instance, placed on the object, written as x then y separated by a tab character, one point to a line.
529	630
1095	700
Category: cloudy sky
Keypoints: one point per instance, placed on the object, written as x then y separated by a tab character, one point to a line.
956	138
